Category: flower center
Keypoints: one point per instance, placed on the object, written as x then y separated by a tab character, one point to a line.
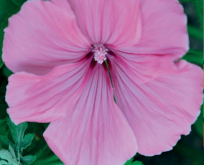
100	53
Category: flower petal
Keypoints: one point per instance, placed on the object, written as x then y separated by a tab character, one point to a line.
142	68
115	23
94	132
44	34
161	110
45	98
163	29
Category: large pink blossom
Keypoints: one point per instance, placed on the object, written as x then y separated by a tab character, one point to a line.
59	50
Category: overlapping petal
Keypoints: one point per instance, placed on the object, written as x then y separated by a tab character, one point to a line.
94	132
44	34
116	23
46	98
163	29
161	110
142	68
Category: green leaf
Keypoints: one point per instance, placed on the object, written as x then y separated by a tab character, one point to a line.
3	162
27	160
195	32
6	6
1	46
1	62
27	141
19	2
131	162
137	163
5	142
6	155
6	71
17	132
12	152
21	143
184	0
194	56
46	156
198	5
188	151
3	124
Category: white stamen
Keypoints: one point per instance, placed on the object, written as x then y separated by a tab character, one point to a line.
100	53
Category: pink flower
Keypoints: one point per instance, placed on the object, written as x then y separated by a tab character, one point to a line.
58	51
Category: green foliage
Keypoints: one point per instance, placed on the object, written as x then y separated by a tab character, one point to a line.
15	150
27	160
190	153
43	155
185	0
18	2
2	127
5	142
195	32
194	56
18	136
46	156
7	158
6	71
198	5
131	162
6	7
